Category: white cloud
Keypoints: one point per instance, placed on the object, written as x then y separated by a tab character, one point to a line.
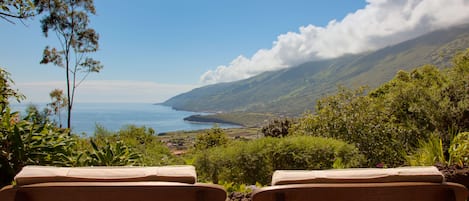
108	91
379	24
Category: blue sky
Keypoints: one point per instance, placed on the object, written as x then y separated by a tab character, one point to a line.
153	49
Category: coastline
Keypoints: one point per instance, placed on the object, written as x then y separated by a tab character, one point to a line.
210	119
116	116
239	118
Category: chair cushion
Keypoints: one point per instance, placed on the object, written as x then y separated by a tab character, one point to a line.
43	174
358	175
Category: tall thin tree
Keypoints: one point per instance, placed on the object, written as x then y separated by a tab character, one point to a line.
69	20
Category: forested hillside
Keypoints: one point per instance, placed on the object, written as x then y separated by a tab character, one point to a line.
295	90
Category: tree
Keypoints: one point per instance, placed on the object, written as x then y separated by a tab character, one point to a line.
58	103
277	128
211	138
68	19
6	92
16	9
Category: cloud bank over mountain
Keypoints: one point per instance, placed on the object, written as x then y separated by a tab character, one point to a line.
381	23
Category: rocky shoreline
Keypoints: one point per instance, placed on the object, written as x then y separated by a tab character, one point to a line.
209	119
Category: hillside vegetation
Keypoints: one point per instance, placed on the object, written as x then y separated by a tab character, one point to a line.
295	90
398	116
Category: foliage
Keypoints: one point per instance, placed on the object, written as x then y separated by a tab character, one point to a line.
69	20
277	128
23	142
139	140
211	138
459	149
37	117
429	152
16	9
351	116
248	162
33	140
6	92
58	102
240	188
115	154
393	119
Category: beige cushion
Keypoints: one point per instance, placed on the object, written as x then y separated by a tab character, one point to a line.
43	174
359	175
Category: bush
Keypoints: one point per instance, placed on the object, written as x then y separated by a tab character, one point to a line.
211	138
115	154
429	152
141	141
397	116
254	161
33	140
352	116
23	142
277	128
459	150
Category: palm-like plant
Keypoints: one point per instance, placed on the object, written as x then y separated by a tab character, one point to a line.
109	155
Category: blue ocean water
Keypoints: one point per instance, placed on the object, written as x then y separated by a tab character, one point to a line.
114	116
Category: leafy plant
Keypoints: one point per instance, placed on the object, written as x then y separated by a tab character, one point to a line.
352	116
430	152
25	142
277	128
140	140
33	140
211	138
459	149
240	188
399	116
116	154
248	162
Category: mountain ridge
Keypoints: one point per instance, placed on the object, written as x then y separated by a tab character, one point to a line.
294	90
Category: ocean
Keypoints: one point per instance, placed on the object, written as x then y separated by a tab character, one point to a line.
114	116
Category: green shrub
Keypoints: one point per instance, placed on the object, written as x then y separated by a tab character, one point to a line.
352	116
140	140
240	188
305	152
459	149
397	116
26	143
115	154
254	161
211	138
277	128
430	152
33	140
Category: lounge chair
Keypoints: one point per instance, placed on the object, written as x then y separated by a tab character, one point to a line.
168	183
396	184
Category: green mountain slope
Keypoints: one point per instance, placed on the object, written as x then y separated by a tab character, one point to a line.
295	90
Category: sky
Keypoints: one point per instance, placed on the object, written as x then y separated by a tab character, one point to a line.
154	49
